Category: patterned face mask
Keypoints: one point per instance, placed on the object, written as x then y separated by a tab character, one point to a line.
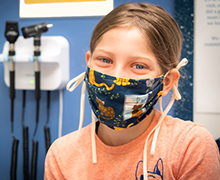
121	103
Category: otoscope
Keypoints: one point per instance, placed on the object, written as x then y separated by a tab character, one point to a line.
35	31
11	34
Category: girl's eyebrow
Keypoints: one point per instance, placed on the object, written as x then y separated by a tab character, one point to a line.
104	51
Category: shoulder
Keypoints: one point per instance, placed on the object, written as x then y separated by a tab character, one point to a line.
71	142
192	141
187	129
67	151
185	133
192	147
184	128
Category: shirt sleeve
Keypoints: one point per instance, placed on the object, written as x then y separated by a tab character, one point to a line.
52	168
199	156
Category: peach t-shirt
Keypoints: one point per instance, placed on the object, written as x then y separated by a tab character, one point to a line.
184	151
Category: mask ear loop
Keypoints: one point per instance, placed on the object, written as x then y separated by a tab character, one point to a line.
176	95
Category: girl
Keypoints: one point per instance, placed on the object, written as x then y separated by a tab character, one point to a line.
132	63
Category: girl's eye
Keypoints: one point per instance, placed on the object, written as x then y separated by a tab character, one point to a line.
104	60
139	66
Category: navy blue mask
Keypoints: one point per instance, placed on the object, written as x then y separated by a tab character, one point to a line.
122	103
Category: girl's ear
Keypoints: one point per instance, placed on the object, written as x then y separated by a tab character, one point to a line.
88	55
171	78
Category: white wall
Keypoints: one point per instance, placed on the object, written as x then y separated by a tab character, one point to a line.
207	65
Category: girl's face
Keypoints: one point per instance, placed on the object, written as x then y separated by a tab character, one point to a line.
124	52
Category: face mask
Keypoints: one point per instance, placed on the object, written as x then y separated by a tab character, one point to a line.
121	103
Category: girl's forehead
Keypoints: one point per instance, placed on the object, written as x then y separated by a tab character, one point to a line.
126	36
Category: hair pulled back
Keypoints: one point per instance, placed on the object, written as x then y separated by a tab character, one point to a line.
161	30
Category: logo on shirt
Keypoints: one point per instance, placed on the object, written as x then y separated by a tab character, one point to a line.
157	172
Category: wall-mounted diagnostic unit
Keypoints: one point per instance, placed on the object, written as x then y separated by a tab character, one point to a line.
54	61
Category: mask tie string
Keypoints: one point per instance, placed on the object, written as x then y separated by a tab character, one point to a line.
175	96
160	105
71	85
94	155
82	106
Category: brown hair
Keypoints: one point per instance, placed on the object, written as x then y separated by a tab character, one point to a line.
161	31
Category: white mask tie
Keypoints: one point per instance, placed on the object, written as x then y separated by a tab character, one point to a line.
175	96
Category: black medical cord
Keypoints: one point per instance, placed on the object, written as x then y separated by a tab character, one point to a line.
35	143
15	141
14	154
25	141
37	97
11	34
46	128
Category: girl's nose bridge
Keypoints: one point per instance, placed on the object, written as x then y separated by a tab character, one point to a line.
119	71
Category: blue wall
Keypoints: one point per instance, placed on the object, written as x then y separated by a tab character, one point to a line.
77	31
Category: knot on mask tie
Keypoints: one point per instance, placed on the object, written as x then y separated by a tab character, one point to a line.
176	94
77	80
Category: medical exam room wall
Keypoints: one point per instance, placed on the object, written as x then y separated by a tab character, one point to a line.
77	30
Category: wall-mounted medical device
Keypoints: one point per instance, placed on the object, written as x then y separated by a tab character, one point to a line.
54	62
